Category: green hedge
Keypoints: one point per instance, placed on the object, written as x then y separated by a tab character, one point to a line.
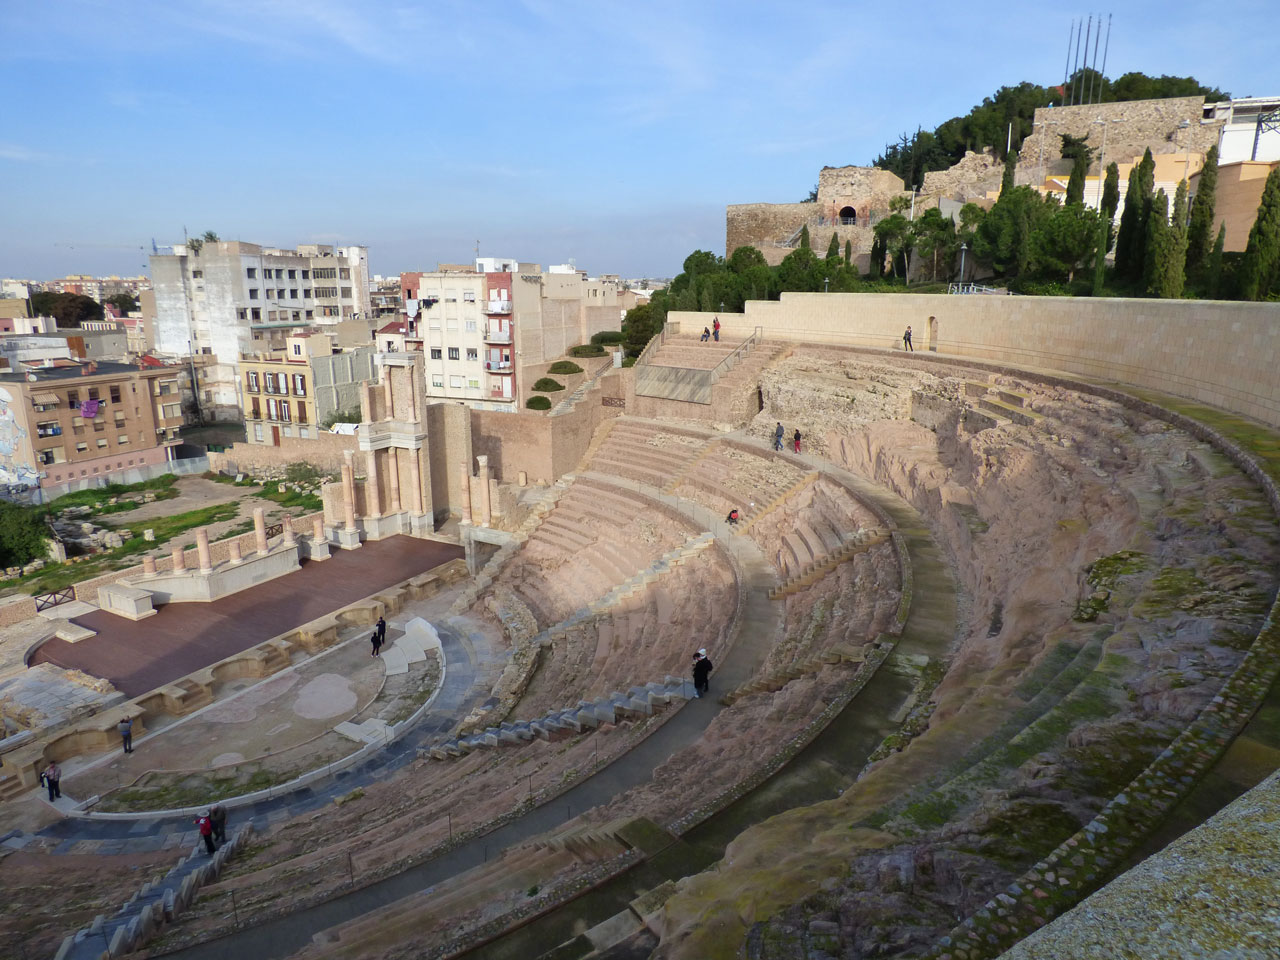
607	336
547	385
564	367
539	403
587	350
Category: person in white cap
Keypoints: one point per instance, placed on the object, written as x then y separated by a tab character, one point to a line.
702	668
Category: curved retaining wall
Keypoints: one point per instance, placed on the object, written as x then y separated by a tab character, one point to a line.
1219	352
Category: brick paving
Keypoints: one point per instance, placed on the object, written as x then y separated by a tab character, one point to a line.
183	637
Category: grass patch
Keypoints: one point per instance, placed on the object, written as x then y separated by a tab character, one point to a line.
162	487
162	791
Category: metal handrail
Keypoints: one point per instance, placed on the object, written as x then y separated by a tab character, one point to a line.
729	362
659	338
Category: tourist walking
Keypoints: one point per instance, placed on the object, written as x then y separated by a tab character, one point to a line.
732	518
906	341
715	328
796	441
205	826
706	335
376	640
702	668
125	727
218	817
382	631
52	777
777	436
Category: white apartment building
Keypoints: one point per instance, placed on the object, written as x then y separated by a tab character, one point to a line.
230	297
446	320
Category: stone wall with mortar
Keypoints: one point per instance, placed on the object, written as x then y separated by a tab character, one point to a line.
1217	352
970	179
323	452
450	441
757	224
1143	124
866	189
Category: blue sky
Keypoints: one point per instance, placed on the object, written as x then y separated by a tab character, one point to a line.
611	133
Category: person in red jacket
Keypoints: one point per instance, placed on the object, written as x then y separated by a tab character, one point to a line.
205	826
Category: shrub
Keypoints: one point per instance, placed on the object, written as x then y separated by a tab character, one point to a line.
629	361
547	385
564	367
607	336
587	350
22	535
539	403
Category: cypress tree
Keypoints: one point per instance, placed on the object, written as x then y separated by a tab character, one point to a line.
1110	202
848	253
1214	268
1174	275
1075	185
804	237
1158	246
1202	211
875	265
1261	264
1010	162
833	248
1130	223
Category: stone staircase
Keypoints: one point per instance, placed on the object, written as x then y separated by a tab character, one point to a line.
490	571
761	512
1002	404
812	572
664	564
567	404
777	679
639	701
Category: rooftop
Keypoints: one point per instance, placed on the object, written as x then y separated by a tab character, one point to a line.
72	370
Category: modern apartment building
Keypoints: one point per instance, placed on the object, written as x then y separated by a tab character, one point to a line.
229	297
290	392
445	313
68	421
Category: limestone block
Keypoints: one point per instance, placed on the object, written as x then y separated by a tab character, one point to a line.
127	601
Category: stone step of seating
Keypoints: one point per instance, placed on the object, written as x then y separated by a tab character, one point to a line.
1018	414
810	573
586	716
779	678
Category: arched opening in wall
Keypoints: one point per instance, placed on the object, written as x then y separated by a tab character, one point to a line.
933	334
759	401
848	216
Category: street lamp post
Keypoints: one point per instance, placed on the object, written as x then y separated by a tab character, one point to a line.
826	284
963	247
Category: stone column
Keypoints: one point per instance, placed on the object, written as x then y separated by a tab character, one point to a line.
317	528
202	550
386	390
148	566
415	480
260	529
348	490
234	548
486	504
179	559
372	495
289	536
466	492
393	478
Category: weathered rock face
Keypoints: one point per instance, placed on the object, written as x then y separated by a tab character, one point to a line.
1114	569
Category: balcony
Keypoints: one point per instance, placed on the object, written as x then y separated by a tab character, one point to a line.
494	335
498	366
499	307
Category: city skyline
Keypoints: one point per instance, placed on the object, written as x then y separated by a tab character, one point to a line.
589	132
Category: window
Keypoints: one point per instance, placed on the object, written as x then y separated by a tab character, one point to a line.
453	353
455	383
273	410
473	353
297	349
257	313
93	393
299	385
310	314
251	381
468	296
293	274
73	399
437	353
346	293
50	428
197	274
279	294
473	384
293	291
296	316
326	292
242	314
325	273
284	410
471	326
344	273
306	274
253	293
102	443
257	430
122	439
437	380
256	411
99	426
306	293
251	273
82	447
303	432
115	394
391	346
172	411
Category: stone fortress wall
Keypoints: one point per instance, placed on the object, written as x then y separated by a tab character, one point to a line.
1221	353
1132	127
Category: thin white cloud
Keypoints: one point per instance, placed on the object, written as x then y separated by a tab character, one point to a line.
20	154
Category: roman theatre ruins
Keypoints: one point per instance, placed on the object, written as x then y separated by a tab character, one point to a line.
999	633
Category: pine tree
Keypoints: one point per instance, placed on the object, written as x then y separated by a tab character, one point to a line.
1010	162
1261	264
1158	245
848	253
1213	269
1202	213
1174	276
804	237
833	248
1130	223
1075	185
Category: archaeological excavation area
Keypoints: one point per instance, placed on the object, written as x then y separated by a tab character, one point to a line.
996	639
